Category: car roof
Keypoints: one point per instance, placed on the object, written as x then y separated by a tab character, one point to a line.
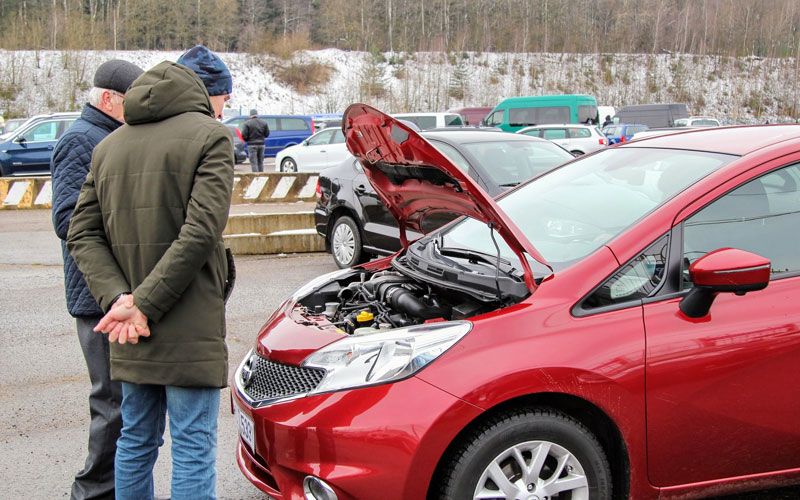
461	135
421	114
737	140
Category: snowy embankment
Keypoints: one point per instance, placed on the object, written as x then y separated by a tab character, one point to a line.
736	90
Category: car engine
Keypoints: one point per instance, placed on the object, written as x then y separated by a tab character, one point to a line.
364	302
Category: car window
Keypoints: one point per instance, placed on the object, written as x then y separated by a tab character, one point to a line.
272	123
761	216
338	137
534	132
704	122
579	133
638	279
508	163
454	120
42	131
554	133
294	124
682	122
320	138
611	131
586	113
495	118
520	117
65	124
453	154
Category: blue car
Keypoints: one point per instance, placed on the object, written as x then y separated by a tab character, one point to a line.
284	130
27	151
622	132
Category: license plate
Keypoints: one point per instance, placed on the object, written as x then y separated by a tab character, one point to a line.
247	430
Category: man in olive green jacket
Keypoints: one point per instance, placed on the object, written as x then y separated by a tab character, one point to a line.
149	221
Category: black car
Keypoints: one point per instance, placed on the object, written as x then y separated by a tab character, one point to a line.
239	149
355	223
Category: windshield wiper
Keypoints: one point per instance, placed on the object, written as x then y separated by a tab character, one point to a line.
469	254
509	184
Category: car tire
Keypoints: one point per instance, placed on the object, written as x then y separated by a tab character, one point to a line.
346	242
4	172
576	152
288	165
559	451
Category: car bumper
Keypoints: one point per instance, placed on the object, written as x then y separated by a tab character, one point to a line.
383	441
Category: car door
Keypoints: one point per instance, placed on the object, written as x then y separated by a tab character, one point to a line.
558	136
337	149
313	155
722	395
381	232
34	147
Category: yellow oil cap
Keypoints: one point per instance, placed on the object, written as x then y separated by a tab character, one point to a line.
364	316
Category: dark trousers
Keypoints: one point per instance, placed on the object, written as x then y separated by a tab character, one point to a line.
256	154
96	480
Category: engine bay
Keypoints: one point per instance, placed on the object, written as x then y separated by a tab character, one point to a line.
365	301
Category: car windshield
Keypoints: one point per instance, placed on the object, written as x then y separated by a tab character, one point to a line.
509	163
572	211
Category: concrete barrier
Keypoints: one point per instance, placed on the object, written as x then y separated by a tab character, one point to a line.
37	192
258	234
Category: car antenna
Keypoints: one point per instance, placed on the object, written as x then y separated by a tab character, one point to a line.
497	265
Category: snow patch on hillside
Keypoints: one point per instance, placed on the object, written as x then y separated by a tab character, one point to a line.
736	90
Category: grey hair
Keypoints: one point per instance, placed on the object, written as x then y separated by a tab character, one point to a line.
95	96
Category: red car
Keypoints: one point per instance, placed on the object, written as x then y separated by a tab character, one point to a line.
627	325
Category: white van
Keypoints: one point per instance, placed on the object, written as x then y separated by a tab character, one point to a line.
427	121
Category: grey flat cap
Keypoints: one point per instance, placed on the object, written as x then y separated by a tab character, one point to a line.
117	75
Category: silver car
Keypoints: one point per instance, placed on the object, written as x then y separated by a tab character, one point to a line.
577	139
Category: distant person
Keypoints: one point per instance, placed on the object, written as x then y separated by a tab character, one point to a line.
147	234
71	160
608	121
254	132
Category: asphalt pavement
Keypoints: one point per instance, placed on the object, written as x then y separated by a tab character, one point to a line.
43	382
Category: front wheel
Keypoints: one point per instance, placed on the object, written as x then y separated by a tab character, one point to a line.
288	165
528	453
346	243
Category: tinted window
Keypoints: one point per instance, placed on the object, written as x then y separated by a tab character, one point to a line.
453	154
762	216
43	131
537	116
587	114
495	118
453	120
272	123
579	133
321	138
555	133
294	124
636	280
509	163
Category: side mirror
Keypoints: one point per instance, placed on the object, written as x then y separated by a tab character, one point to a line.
20	140
726	270
305	142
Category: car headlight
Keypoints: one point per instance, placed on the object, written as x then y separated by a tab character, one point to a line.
384	356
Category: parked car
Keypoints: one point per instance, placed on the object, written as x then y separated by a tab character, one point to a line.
622	132
326	120
514	113
28	150
608	350
577	139
652	115
357	225
284	130
322	150
697	121
239	147
472	116
654	132
431	120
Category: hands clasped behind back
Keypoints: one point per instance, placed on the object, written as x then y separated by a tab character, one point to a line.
124	322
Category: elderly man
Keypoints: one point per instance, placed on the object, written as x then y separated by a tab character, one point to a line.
147	234
70	164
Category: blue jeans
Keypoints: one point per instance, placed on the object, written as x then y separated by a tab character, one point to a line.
193	428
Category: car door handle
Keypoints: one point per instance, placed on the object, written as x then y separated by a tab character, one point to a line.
360	189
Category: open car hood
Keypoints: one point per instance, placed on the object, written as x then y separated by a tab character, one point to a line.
415	180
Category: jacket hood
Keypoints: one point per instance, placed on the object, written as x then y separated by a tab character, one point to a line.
415	180
165	90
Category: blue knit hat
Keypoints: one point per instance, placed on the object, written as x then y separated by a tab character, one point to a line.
210	68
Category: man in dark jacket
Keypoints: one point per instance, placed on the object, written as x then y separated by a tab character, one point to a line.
254	132
72	157
149	221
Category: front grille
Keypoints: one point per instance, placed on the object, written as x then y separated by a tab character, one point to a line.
271	380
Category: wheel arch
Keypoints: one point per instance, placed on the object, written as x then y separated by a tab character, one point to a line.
337	212
595	419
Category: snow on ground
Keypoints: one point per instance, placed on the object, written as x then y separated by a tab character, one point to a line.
736	90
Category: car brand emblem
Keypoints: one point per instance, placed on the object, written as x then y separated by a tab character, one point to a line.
248	371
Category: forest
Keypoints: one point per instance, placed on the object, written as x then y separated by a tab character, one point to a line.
763	28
